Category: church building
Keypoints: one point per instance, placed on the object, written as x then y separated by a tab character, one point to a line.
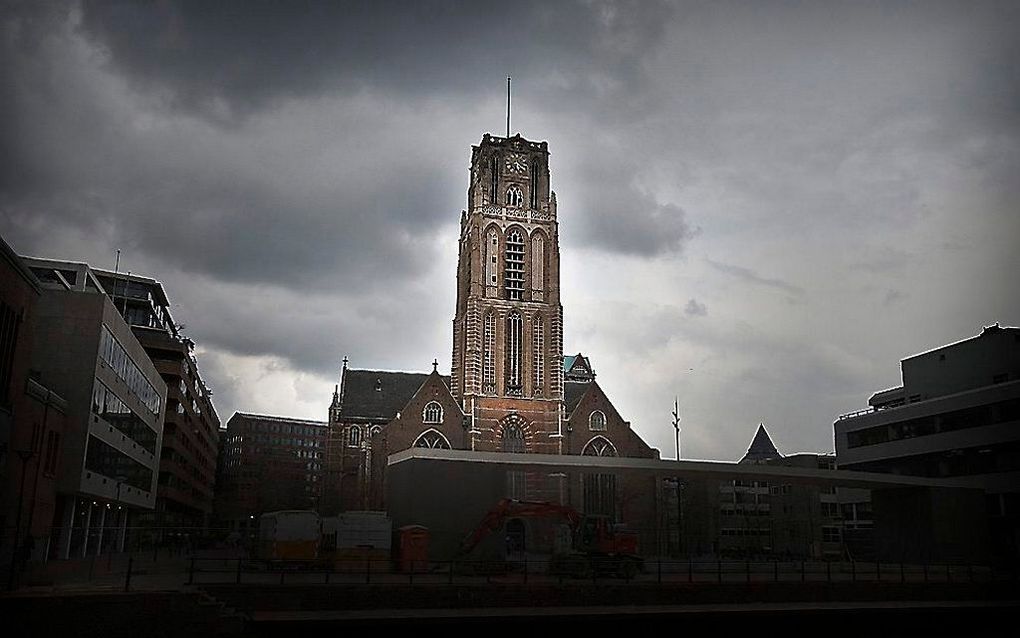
511	389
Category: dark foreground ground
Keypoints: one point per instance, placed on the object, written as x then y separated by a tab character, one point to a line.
863	609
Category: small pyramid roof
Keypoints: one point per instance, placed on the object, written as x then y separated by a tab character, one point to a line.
762	448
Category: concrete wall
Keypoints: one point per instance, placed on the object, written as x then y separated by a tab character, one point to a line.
966	365
924	525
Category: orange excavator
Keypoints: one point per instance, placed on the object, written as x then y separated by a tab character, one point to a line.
596	544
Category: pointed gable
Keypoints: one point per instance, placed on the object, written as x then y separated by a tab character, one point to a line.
577	367
377	395
762	448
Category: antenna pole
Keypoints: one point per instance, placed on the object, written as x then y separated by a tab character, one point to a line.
116	279
508	107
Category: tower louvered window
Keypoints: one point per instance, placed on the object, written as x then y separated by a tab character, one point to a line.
538	355
491	257
489	355
534	184
494	180
514	275
513	354
537	262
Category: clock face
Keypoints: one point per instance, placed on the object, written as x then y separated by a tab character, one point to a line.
516	163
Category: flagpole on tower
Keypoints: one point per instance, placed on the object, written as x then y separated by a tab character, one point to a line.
508	107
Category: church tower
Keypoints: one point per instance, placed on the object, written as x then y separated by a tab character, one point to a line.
508	328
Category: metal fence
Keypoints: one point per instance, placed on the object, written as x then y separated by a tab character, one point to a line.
147	571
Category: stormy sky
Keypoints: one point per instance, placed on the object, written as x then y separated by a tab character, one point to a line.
764	206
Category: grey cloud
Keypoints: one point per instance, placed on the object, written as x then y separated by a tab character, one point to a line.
893	296
750	276
883	260
696	309
618	215
294	174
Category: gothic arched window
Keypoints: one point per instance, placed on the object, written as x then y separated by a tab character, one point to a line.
354	435
489	355
514	197
514	331
534	184
494	180
433	413
432	439
597	421
512	439
599	446
538	355
514	268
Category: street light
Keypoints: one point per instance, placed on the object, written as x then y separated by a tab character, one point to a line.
676	425
679	489
122	517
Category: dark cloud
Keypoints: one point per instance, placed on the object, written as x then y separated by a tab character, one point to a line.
696	309
228	60
750	276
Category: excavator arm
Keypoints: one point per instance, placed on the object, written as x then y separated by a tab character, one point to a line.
506	508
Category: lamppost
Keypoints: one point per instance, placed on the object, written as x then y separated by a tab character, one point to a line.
25	456
123	513
676	425
679	485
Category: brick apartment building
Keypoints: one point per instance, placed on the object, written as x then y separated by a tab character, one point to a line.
32	420
269	463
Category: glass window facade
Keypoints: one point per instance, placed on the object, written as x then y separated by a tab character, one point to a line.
104	459
117	358
110	408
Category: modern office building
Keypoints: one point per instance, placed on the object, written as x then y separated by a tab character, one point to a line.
187	473
956	415
269	463
747	518
115	398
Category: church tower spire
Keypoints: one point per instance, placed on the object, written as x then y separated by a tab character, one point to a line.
508	324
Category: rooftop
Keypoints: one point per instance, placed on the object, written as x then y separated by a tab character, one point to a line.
278	419
690	470
378	395
762	448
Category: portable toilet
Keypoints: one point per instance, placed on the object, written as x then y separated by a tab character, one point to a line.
413	545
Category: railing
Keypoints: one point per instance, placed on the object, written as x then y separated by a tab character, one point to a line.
542	570
509	212
852	415
168	570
